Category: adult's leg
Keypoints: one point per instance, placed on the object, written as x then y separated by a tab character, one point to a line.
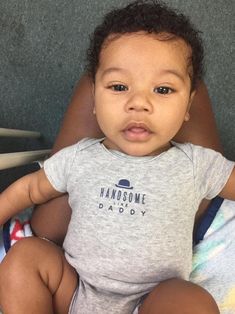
176	296
50	220
35	278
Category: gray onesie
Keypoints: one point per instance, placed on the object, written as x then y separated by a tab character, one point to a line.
132	218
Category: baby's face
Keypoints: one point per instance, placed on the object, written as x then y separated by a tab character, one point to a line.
142	92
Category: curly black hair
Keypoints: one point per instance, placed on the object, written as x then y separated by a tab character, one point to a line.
150	16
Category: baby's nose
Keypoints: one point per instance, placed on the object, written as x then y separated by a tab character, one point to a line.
139	103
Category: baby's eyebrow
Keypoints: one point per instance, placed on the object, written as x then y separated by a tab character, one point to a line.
159	73
172	72
113	69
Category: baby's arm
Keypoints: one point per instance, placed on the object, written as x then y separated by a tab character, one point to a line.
31	189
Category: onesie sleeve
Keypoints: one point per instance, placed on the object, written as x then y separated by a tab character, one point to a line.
211	171
57	168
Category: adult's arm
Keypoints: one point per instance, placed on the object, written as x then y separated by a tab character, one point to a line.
50	220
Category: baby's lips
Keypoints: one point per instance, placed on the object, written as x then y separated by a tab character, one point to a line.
137	128
137	132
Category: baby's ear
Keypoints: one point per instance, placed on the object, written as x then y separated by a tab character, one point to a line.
187	115
93	89
93	94
191	97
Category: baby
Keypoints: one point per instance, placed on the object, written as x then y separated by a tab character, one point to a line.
134	194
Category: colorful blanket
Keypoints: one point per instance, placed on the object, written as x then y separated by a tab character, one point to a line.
214	257
14	229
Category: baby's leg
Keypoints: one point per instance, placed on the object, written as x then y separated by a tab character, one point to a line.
36	278
178	296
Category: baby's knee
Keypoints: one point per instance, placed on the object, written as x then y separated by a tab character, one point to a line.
13	269
32	272
177	296
28	257
16	262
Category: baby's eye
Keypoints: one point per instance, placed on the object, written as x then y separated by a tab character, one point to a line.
163	90
118	88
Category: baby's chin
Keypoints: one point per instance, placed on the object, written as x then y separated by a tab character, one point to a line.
136	149
144	149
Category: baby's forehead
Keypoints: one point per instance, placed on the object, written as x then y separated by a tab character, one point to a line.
145	39
129	46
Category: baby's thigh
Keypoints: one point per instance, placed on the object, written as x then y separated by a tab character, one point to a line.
38	271
178	296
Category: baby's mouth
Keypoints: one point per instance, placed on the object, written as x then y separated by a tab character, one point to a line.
137	132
